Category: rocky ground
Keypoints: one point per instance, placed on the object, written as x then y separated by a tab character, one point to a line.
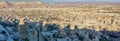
57	22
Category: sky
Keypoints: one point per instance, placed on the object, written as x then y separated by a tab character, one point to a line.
62	0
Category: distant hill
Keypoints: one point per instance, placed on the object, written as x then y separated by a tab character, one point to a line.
19	0
83	3
61	0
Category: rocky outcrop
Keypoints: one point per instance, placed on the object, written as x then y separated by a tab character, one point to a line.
35	31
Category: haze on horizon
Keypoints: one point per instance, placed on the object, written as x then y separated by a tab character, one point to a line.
61	0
